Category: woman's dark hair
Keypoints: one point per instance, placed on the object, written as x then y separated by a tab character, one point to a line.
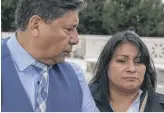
101	77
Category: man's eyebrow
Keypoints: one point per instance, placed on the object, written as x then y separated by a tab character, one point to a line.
71	25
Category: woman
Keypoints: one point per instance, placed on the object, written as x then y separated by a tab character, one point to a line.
125	78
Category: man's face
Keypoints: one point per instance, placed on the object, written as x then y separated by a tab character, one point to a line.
56	39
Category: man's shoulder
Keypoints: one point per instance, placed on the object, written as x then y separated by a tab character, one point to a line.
79	72
75	66
4	40
4	52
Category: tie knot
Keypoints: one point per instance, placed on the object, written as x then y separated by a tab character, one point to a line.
40	67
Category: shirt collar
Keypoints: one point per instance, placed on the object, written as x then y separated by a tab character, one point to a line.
134	107
21	57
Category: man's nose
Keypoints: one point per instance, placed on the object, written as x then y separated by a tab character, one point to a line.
74	39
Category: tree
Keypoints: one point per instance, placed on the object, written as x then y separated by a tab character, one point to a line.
105	17
91	20
7	14
147	16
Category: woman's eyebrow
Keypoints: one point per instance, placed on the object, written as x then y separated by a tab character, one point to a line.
122	55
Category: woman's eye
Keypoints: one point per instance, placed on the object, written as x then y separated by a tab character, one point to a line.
138	61
122	61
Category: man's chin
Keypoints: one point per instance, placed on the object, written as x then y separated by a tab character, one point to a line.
53	61
60	60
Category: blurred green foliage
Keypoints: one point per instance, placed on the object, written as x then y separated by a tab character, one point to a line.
105	17
7	14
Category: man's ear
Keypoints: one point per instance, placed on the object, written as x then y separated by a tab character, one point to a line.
33	25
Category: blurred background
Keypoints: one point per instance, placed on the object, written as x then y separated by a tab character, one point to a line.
100	20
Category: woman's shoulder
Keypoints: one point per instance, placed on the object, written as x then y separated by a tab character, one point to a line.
93	87
160	98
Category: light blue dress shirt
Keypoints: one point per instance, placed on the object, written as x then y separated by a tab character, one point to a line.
29	76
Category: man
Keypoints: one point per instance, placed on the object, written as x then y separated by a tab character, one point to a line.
34	74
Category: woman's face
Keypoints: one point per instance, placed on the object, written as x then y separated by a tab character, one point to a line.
125	71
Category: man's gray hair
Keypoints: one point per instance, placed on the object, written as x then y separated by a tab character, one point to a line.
48	10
